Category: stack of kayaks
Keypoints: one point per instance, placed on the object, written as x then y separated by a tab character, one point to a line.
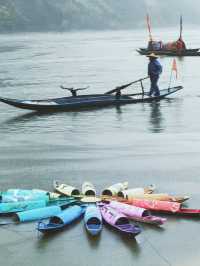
118	206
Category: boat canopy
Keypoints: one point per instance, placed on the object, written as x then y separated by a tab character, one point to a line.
178	45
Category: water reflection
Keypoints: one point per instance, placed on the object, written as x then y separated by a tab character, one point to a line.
93	240
128	240
8	49
37	115
156	119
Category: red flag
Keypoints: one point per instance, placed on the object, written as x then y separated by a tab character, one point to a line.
174	67
149	27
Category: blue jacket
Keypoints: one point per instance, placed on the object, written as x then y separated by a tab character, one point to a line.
154	68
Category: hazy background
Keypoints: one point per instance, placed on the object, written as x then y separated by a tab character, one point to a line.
62	15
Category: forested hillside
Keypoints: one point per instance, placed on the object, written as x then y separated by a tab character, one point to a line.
61	15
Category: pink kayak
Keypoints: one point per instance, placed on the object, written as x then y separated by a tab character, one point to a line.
137	213
118	220
155	205
164	206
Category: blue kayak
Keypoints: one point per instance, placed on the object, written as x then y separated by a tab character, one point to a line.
59	221
37	214
42	213
93	220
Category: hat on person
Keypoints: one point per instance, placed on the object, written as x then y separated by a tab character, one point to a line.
152	55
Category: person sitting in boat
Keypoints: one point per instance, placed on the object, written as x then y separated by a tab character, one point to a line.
180	45
154	45
154	71
118	94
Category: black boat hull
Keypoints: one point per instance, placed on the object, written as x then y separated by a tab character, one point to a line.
86	101
188	52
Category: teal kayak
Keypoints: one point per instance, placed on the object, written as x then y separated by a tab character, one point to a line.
14	195
21	206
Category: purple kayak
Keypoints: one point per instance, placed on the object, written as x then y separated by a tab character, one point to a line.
118	220
137	213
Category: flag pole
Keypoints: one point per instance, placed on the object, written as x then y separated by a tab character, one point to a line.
149	28
181	26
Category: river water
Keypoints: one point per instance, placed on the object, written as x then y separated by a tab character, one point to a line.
151	143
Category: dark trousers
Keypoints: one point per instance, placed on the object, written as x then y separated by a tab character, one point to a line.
154	86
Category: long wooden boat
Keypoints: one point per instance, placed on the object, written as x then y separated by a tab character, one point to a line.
177	48
186	52
88	101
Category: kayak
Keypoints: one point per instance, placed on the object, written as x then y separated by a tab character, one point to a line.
113	190
137	213
54	207
88	189
66	190
118	220
160	196
93	220
25	205
155	205
132	192
10	207
59	221
14	195
37	214
87	101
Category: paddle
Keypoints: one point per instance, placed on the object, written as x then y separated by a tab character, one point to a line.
119	88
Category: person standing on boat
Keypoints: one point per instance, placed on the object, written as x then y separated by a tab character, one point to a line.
154	71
